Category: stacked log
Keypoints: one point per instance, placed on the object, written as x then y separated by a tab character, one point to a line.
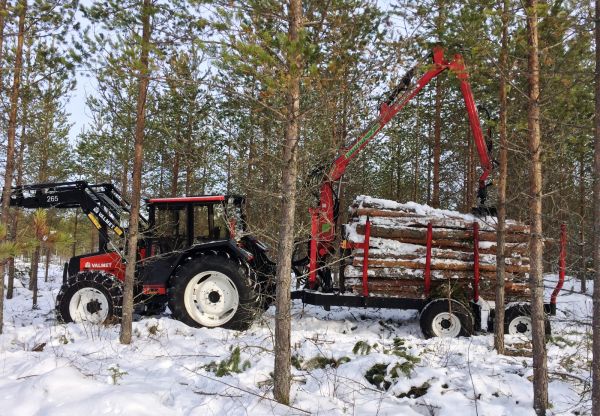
398	251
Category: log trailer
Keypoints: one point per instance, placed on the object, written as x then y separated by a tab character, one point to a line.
439	316
195	255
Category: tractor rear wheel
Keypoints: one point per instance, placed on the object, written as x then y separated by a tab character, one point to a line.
446	318
213	291
90	296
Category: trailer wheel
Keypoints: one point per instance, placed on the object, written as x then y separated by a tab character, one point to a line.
517	321
446	318
213	291
91	296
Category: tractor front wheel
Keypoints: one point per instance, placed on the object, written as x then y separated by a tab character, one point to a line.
213	291
91	296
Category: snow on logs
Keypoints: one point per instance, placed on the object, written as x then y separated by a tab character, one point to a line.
398	249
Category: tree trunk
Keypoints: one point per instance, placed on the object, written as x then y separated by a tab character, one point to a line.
19	181
596	233
582	263
282	371
540	370
501	227
176	159
47	263
33	276
10	143
74	248
437	146
140	123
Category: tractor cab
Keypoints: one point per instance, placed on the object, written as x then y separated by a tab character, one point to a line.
179	223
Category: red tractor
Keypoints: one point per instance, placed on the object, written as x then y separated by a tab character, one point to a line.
187	257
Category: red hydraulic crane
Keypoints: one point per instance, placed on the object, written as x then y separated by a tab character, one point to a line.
324	216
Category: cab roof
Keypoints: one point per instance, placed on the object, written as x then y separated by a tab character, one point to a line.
194	199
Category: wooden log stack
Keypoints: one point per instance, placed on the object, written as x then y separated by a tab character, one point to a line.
398	252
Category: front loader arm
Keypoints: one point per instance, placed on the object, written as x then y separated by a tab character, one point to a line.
324	216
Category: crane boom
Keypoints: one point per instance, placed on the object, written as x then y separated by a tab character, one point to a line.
325	214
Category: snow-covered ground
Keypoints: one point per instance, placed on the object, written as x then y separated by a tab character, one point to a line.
172	369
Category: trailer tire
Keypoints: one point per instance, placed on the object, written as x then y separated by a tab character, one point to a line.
446	318
517	321
213	291
90	296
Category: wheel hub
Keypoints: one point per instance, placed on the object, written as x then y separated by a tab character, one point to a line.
93	306
520	325
446	324
89	304
214	296
211	298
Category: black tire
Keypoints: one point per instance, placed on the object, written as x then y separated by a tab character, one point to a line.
441	312
517	320
108	290
195	273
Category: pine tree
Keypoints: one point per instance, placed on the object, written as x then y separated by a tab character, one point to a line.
596	229
540	370
12	127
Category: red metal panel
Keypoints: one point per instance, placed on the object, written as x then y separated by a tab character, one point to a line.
154	290
365	277
209	198
475	261
562	261
428	260
108	262
312	266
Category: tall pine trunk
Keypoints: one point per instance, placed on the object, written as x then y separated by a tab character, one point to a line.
19	181
596	233
33	281
501	230
282	371
10	143
136	186
582	263
540	370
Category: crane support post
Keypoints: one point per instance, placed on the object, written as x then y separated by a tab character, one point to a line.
365	271
312	266
476	262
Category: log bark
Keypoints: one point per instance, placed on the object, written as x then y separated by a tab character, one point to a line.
406	233
437	265
413	288
420	253
400	273
484	248
416	220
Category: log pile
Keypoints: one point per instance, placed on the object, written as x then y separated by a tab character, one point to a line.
398	248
